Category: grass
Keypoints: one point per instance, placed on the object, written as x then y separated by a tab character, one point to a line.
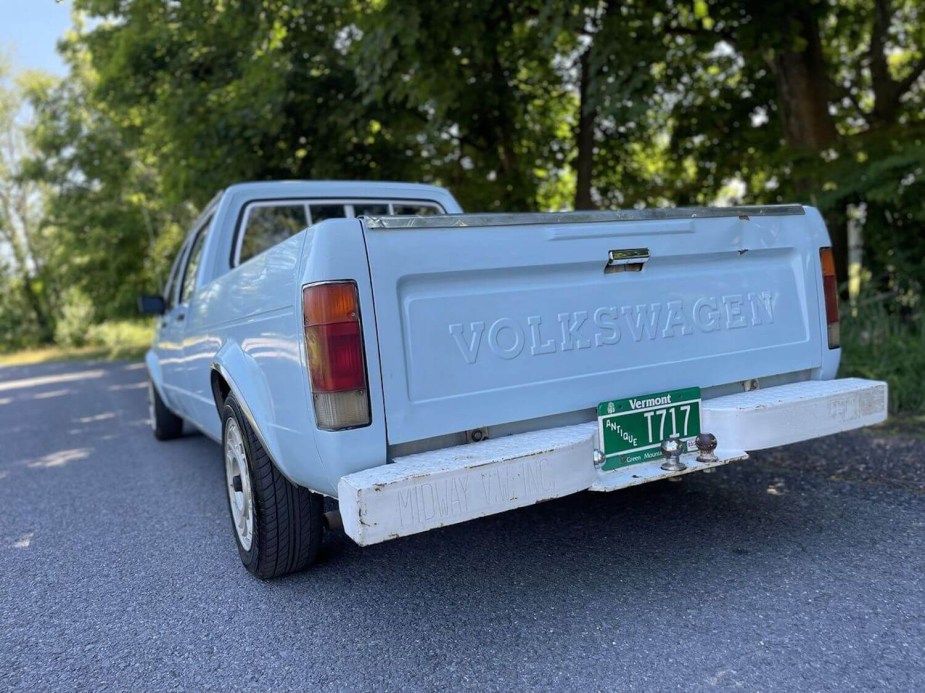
905	425
882	345
26	357
126	339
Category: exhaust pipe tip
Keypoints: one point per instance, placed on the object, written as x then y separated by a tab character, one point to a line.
333	520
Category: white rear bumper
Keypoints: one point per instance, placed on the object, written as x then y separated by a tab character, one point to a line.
447	486
790	413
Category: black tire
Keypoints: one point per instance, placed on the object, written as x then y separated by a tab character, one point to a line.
165	424
288	520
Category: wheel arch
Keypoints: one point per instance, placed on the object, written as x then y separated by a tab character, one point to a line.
265	392
235	373
221	388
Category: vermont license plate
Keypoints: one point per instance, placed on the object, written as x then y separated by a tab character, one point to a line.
632	430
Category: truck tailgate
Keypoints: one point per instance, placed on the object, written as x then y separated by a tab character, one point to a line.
491	319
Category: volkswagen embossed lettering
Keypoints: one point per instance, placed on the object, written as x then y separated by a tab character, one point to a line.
632	430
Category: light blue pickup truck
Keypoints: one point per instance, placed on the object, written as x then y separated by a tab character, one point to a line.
370	343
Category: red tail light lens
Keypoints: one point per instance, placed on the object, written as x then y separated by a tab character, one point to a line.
334	348
335	357
830	289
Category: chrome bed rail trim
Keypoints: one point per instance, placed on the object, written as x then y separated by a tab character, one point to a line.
588	217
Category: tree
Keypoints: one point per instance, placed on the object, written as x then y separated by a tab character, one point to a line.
113	233
21	232
609	56
482	85
816	102
224	92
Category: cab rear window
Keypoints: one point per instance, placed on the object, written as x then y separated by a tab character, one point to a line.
266	224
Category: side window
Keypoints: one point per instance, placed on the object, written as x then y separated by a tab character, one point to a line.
267	225
370	209
170	289
192	263
406	209
327	211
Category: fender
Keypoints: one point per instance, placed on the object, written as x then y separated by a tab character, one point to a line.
154	373
249	386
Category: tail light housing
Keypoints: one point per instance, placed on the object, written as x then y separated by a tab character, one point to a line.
334	351
830	289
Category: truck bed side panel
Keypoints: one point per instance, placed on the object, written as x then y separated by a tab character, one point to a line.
249	322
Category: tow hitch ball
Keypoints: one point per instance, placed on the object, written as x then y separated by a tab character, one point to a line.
671	450
706	444
673	447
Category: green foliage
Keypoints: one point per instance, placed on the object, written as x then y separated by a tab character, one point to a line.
729	122
78	326
74	319
887	343
217	93
106	212
886	173
483	88
538	104
24	243
121	337
18	330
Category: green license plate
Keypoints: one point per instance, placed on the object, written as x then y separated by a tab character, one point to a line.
632	430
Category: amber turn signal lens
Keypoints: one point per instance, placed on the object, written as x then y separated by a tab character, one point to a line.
324	304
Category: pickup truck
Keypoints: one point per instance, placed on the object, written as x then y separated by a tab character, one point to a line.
369	343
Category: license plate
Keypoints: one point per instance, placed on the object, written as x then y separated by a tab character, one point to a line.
632	430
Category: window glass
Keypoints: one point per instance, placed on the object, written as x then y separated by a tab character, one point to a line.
268	225
322	212
370	209
416	209
192	264
169	290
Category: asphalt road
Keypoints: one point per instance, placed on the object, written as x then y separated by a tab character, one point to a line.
801	569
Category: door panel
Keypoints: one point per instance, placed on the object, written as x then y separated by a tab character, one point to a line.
168	342
177	323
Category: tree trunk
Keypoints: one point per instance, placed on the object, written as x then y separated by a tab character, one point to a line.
33	300
35	303
519	197
584	163
802	96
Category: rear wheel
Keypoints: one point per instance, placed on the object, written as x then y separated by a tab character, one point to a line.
277	525
164	423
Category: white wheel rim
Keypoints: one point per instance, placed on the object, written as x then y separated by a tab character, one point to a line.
151	406
241	502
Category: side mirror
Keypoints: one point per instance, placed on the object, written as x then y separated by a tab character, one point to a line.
152	305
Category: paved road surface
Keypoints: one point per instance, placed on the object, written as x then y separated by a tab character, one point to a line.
802	569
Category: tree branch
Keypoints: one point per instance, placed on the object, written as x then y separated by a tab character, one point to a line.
909	80
460	138
720	34
838	91
882	83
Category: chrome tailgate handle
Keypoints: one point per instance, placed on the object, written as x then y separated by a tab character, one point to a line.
627	260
